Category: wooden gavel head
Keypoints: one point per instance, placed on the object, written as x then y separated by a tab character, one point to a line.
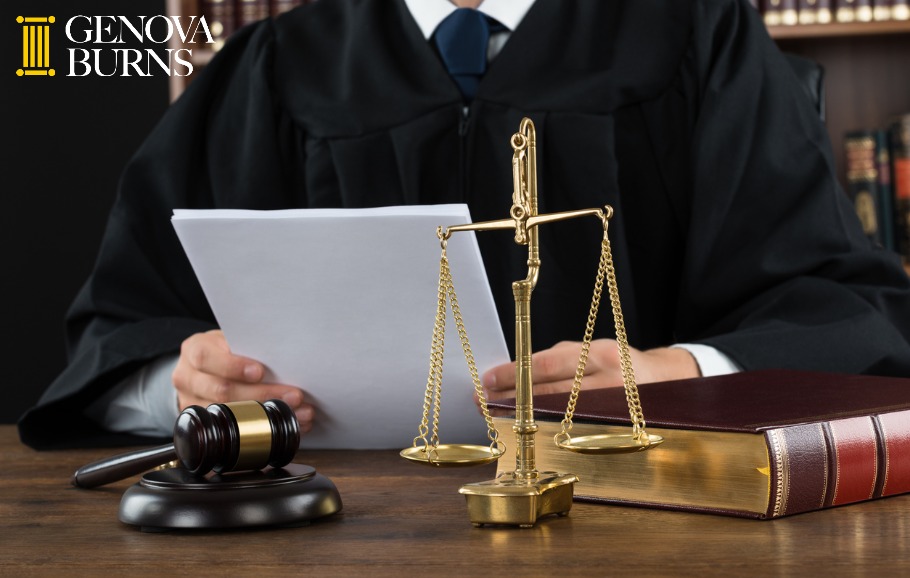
244	435
225	437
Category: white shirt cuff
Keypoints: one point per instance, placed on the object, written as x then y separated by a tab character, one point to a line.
710	361
145	403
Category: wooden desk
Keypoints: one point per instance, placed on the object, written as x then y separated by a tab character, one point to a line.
402	519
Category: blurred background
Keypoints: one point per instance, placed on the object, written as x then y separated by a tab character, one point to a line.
64	142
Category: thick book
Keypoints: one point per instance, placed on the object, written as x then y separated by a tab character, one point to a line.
761	444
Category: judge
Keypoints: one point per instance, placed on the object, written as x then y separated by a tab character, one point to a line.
735	247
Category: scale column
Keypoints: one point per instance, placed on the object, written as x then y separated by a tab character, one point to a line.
524	427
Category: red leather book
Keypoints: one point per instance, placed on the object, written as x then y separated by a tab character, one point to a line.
760	444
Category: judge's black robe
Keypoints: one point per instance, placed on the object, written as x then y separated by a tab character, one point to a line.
730	229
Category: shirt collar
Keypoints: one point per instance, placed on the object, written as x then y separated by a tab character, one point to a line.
429	13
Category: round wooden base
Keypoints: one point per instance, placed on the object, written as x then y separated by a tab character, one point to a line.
174	498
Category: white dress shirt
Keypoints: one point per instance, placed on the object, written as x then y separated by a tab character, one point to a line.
145	403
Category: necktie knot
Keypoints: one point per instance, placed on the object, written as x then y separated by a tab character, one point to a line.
462	40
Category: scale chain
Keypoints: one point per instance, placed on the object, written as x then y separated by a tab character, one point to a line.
433	396
606	271
492	432
434	379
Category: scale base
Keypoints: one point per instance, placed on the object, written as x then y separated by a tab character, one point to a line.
517	502
174	498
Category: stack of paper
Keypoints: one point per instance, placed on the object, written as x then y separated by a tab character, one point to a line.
341	303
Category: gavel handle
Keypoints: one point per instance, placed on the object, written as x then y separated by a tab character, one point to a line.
122	466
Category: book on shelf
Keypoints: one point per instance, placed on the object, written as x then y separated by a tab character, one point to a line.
226	16
809	12
900	9
845	10
866	183
761	444
881	10
814	11
249	11
220	17
864	10
899	131
780	12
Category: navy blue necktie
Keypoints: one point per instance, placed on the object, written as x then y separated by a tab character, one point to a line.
462	39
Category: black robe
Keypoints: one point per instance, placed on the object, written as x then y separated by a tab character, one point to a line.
730	228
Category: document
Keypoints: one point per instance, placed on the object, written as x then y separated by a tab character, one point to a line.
341	303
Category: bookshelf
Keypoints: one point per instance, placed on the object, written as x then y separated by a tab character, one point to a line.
839	29
866	72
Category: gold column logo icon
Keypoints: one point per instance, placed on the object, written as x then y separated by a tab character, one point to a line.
36	46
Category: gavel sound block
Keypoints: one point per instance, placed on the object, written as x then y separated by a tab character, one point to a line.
233	441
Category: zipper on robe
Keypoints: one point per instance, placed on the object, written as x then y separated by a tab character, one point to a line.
463	153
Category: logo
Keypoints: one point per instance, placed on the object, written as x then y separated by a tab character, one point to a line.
36	46
115	45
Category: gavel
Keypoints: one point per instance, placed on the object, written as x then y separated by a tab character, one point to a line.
224	437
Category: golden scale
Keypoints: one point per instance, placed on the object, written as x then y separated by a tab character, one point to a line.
523	496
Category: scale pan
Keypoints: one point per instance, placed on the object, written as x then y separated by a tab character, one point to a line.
452	455
609	443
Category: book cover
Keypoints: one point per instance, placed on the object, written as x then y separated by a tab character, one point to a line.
863	181
900	165
761	444
885	189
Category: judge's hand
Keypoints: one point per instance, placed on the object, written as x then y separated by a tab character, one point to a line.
554	369
207	372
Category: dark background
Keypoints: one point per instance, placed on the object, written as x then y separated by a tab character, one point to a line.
65	141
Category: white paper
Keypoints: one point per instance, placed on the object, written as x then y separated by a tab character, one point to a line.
341	303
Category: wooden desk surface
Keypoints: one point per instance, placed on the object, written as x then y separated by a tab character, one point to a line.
401	519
